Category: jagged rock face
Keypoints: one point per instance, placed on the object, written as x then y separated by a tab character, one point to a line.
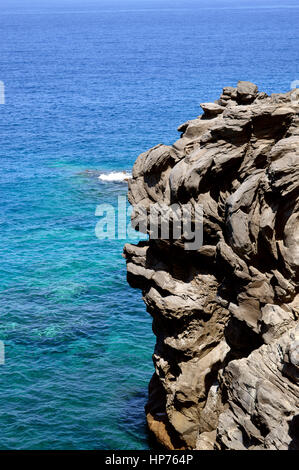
226	358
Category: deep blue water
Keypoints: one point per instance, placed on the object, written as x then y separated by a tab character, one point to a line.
90	85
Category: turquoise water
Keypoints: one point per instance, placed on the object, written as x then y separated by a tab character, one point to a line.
89	85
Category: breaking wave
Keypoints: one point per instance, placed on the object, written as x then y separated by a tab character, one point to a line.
115	176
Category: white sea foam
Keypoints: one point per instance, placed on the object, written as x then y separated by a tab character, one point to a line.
115	176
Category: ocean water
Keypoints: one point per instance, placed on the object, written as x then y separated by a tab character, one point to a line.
89	86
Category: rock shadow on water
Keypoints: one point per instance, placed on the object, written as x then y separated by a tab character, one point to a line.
132	420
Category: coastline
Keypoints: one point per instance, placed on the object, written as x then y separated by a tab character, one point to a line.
223	313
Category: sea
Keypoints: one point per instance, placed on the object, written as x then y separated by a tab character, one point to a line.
86	86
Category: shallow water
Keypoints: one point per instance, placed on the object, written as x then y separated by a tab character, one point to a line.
89	88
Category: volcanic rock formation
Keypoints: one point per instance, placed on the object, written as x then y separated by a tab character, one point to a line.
227	351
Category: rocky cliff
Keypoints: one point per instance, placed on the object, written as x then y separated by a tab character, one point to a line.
227	351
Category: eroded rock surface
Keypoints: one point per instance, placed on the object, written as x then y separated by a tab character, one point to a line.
225	316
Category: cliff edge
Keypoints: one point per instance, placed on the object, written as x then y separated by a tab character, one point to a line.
227	351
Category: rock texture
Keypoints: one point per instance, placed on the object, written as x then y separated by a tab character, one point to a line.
227	351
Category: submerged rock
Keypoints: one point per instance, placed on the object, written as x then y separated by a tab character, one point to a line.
225	315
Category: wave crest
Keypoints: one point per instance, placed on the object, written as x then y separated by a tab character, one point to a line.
115	176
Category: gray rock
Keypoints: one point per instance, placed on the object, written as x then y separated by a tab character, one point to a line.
246	92
225	315
212	109
262	399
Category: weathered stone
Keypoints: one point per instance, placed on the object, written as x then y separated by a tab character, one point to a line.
262	399
226	358
212	109
246	92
